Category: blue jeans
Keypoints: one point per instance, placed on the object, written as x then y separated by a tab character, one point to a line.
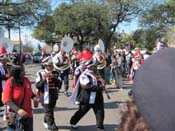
127	66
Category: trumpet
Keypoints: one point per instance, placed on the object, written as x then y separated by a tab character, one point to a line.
66	46
102	62
50	75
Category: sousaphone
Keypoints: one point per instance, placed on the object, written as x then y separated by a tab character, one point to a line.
100	46
66	46
135	66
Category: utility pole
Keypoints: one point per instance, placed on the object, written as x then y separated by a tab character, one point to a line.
20	45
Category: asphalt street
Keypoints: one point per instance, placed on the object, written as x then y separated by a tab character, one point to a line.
64	110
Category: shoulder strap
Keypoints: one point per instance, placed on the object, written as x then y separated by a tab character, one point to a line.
40	75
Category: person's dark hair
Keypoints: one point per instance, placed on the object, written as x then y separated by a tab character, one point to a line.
16	74
132	120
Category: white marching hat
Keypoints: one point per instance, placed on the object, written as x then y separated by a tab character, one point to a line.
47	61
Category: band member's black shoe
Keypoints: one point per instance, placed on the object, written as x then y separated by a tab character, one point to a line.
53	128
98	129
74	126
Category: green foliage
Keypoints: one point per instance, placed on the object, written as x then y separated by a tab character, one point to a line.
147	38
87	20
159	15
157	22
22	12
45	29
82	18
90	20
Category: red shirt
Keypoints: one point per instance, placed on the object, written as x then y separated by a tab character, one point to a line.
18	95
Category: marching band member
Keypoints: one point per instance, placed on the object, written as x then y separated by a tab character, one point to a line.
61	60
74	62
90	96
136	63
98	57
47	82
83	58
79	70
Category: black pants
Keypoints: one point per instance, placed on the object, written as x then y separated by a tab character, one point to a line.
101	72
65	78
49	113
98	109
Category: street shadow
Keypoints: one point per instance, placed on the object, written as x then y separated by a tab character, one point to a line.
107	127
112	105
114	89
127	87
40	110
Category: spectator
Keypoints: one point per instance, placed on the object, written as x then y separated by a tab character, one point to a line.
17	95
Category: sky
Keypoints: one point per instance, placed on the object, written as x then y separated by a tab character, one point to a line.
128	27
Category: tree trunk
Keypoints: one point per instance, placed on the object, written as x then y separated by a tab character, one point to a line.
107	40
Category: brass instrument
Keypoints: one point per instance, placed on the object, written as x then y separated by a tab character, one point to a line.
65	65
66	46
52	79
102	62
52	75
136	66
100	46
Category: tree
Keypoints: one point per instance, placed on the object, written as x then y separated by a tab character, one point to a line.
22	12
157	21
87	20
121	11
95	17
146	38
44	29
90	20
160	14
